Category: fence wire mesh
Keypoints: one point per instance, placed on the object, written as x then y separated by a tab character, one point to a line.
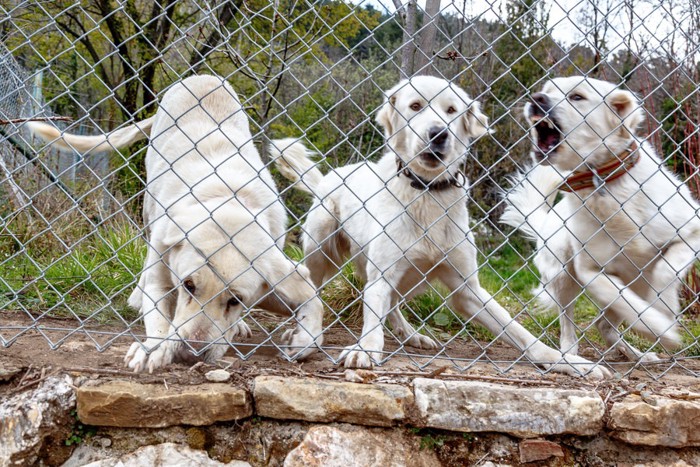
531	201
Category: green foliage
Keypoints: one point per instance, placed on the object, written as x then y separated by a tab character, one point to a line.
79	433
430	439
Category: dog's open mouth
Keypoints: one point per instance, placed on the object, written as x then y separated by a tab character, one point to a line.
548	134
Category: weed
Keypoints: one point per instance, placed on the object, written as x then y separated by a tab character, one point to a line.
79	432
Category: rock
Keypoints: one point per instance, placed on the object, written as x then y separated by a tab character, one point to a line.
29	419
7	373
524	412
323	401
217	376
604	451
667	422
359	376
130	404
166	454
349	446
538	450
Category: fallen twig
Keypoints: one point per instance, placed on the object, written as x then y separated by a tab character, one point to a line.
454	375
35	119
31	383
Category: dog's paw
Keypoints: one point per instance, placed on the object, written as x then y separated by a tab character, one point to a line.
161	357
356	358
299	344
649	357
578	366
421	341
241	329
138	359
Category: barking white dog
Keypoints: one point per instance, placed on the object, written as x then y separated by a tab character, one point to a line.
215	227
626	230
404	222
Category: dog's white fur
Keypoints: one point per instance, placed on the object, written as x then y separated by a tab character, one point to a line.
629	243
401	238
214	221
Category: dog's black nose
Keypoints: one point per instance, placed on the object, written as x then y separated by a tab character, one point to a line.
438	136
541	100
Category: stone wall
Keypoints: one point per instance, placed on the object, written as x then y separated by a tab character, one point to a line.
305	422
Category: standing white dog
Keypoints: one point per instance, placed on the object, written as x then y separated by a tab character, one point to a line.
626	230
215	227
404	222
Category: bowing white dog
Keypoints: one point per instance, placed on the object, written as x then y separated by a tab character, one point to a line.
215	228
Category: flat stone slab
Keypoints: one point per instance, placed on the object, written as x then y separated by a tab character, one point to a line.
656	421
130	404
524	412
323	401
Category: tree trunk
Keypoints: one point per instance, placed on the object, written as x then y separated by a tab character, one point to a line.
424	63
408	50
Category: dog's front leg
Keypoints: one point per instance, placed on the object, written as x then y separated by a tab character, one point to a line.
376	307
155	351
470	299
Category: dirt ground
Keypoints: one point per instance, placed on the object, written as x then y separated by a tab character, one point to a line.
97	351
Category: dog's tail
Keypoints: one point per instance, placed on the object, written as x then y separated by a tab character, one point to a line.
530	199
83	144
293	160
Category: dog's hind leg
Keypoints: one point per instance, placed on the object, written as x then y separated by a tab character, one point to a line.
325	246
290	289
608	325
670	269
560	292
610	293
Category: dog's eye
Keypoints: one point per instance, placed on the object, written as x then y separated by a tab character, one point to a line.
576	97
416	106
451	110
233	301
189	286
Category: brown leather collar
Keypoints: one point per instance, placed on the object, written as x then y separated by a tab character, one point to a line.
606	173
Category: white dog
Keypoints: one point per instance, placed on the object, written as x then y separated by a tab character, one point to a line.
626	230
215	226
404	222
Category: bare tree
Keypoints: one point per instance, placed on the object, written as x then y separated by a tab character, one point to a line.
409	15
424	63
595	20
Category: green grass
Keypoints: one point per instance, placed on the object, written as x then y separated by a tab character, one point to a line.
93	276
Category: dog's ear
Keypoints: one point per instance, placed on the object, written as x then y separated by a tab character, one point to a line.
385	116
626	113
476	123
166	236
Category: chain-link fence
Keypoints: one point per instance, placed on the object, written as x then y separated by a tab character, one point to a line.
497	183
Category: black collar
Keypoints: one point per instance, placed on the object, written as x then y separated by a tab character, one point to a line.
431	185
